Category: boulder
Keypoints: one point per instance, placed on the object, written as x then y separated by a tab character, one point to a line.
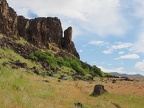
20	64
78	105
98	90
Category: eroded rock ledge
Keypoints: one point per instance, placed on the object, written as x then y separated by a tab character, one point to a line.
40	32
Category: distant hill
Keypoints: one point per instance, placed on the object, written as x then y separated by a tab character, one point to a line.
127	75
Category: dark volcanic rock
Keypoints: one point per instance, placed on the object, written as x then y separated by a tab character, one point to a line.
78	105
8	19
18	64
98	90
35	70
23	50
67	38
41	32
68	43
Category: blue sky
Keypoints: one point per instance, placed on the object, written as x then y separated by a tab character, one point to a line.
107	33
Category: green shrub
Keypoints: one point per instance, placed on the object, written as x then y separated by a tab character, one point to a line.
60	61
70	62
33	57
97	71
47	57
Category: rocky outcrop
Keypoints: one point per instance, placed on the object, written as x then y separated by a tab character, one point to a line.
41	32
67	38
8	19
23	50
68	43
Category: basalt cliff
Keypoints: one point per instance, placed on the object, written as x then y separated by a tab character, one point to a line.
40	32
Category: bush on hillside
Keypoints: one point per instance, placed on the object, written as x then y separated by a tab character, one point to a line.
75	64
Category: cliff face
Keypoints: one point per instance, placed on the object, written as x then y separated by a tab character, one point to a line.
8	19
39	31
68	43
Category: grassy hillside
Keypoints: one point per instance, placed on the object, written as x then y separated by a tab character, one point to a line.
65	65
54	62
20	87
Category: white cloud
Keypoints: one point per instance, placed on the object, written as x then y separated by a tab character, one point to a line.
85	45
120	45
138	9
102	17
120	69
109	51
138	47
117	46
102	62
140	66
139	14
98	42
121	52
129	56
110	64
81	51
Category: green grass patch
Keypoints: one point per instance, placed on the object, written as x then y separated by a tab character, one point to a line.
71	63
21	41
8	55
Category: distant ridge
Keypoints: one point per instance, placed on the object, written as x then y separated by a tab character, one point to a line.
127	75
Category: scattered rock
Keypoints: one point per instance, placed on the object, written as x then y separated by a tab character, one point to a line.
35	70
45	80
77	77
4	63
113	81
98	90
116	105
59	80
78	105
20	64
128	79
63	77
23	50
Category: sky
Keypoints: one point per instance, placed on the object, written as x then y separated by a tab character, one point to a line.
106	33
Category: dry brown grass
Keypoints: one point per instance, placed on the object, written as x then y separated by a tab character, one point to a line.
22	89
47	92
126	87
